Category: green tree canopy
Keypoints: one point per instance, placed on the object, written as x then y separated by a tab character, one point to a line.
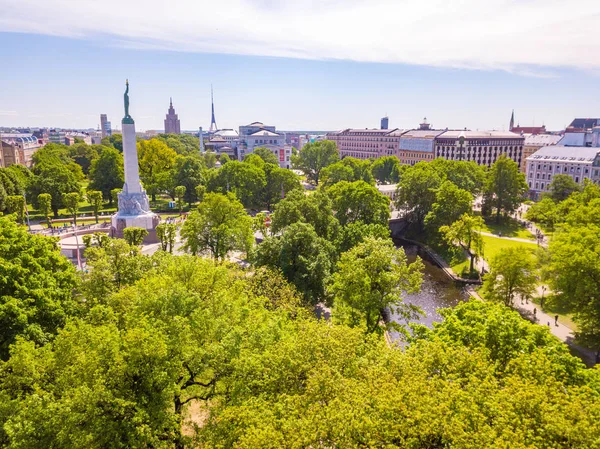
561	187
36	286
386	170
359	201
417	192
450	204
512	274
246	181
304	258
107	173
115	141
466	231
54	179
220	225
370	280
156	160
505	187
315	209
266	155
314	157
94	197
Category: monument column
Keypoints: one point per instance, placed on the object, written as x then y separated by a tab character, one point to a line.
134	207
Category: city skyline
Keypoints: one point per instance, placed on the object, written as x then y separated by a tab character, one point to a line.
468	65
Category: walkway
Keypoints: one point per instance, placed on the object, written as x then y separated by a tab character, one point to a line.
515	239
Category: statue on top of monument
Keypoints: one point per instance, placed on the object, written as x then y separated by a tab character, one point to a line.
126	98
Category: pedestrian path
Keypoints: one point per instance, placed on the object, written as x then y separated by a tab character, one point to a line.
514	239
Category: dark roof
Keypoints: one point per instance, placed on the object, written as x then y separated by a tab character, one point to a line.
585	123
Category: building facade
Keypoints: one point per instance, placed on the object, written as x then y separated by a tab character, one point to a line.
105	126
577	162
483	147
172	124
534	142
253	128
366	143
417	145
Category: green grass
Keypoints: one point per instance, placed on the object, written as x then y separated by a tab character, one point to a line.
492	245
509	227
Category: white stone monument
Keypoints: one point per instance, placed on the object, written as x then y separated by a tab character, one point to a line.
134	207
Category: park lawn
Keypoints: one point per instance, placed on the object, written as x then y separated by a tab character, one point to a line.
509	227
492	245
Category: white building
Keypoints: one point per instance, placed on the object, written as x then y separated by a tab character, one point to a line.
577	162
271	140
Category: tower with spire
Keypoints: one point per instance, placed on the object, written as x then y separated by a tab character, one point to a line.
213	123
172	124
512	121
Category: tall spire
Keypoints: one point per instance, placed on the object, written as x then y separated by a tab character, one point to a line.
512	121
213	123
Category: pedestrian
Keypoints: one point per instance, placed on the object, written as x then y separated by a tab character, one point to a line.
548	323
499	234
542	304
534	312
556	320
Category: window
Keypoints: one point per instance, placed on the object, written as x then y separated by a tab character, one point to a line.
577	179
542	186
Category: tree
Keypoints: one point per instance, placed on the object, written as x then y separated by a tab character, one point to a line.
574	273
200	191
354	233
16	205
466	232
44	201
183	144
166	233
505	186
348	169
315	209
156	159
450	204
304	258
466	175
314	157
71	201
134	236
370	280
561	187
83	155
386	169
544	212
115	141
512	273
224	158
279	182
266	155
55	179
35	288
189	172
219	225
246	181
94	197
107	173
359	201
179	195
210	159
417	192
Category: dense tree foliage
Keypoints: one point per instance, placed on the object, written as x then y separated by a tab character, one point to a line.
315	209
304	258
466	232
55	179
36	285
370	280
348	169
220	225
244	179
359	201
115	141
561	187
512	274
266	155
314	157
107	173
386	170
505	187
417	193
156	160
450	204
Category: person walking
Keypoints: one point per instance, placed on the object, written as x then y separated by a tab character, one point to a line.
556	320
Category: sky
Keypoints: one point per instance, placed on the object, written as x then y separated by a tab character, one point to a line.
300	64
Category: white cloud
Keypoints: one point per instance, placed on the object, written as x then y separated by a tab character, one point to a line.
524	36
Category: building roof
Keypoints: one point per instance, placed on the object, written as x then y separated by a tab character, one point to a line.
256	124
227	133
455	134
584	123
216	139
565	154
529	129
422	133
542	139
264	132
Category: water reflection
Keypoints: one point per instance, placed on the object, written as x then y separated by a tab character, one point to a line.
437	291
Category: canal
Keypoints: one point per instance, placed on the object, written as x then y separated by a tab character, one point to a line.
437	291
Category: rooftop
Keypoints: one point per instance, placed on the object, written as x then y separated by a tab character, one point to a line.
565	154
455	134
227	133
542	139
265	133
423	133
585	123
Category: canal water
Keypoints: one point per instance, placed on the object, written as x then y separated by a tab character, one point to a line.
437	291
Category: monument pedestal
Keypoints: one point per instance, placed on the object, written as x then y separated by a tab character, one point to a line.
147	221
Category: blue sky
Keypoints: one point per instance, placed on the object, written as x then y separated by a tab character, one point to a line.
330	69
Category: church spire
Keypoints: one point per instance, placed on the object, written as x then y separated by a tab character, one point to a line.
512	121
213	123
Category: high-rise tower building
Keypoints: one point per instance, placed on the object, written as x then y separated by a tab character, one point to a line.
105	125
213	122
172	124
385	122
